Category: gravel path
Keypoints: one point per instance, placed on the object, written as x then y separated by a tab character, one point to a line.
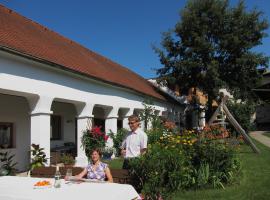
258	135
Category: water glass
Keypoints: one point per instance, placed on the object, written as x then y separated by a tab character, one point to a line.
68	173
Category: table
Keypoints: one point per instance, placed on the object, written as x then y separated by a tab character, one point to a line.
22	188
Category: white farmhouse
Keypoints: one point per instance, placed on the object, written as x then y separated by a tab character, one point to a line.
52	88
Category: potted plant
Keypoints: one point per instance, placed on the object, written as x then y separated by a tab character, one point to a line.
107	153
7	167
68	160
93	138
38	157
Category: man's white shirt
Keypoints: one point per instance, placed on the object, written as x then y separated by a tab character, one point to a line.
134	142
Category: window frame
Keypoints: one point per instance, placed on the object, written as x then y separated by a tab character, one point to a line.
11	139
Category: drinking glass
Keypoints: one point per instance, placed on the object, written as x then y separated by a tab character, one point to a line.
68	174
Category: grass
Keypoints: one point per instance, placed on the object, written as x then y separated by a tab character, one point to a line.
254	183
267	134
115	163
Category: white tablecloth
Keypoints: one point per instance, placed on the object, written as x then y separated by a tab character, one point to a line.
22	188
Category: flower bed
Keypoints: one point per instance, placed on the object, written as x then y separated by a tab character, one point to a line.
179	161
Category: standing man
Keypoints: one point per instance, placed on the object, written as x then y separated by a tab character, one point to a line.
135	142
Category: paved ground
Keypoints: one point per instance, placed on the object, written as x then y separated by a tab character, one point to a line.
258	135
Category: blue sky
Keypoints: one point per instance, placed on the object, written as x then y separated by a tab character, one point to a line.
122	30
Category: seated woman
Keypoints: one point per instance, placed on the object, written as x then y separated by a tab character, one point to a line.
96	169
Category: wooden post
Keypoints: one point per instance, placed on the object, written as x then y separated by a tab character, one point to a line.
240	129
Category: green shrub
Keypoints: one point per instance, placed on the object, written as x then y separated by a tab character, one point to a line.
7	166
67	159
161	171
118	139
221	159
183	161
242	112
38	157
155	134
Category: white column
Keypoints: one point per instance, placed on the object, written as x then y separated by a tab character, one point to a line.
111	123
202	119
40	123
125	118
84	121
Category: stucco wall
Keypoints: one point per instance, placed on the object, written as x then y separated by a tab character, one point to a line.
15	109
35	78
26	78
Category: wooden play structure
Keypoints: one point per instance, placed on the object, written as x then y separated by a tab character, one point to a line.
224	109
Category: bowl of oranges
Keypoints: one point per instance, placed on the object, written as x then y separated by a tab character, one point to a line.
42	184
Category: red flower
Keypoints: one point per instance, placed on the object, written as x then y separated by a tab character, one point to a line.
94	138
106	137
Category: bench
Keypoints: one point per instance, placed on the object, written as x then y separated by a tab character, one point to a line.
119	175
48	172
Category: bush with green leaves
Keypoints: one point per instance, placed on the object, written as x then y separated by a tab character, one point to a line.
155	134
7	165
118	139
161	171
242	112
67	159
180	161
38	157
219	159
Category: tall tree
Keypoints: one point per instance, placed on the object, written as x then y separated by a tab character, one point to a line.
212	47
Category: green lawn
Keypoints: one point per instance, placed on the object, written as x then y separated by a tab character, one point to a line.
115	163
254	183
267	134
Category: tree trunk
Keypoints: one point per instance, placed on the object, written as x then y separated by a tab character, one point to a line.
209	111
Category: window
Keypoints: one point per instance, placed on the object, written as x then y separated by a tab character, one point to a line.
6	135
56	127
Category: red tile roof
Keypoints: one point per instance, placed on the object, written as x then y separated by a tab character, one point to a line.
30	38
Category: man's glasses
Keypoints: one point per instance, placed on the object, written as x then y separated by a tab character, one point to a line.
131	123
